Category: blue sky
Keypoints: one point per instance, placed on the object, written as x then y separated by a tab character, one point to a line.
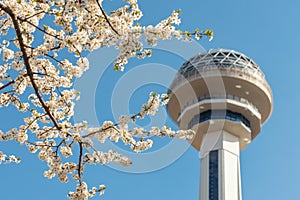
266	31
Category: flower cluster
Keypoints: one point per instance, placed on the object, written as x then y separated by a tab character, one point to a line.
8	159
83	193
104	158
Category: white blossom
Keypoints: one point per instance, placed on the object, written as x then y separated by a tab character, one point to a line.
142	145
7	54
83	64
123	122
22	136
102	189
66	151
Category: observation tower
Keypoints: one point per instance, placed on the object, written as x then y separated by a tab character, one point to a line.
224	96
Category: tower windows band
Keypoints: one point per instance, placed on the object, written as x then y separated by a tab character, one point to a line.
218	114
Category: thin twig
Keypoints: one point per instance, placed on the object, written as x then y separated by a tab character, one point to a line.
106	18
40	29
35	15
7	84
80	160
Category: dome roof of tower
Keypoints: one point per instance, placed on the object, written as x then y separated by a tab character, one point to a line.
220	58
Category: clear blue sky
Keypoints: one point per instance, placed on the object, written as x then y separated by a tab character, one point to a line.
266	31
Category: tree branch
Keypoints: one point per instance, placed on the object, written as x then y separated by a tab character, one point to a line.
26	62
40	29
80	160
35	15
104	14
7	84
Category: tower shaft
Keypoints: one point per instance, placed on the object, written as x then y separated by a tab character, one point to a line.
220	167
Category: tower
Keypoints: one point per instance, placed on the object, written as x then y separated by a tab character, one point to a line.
224	96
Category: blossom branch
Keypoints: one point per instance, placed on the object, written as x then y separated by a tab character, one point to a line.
38	13
106	18
80	160
37	27
7	84
26	61
78	27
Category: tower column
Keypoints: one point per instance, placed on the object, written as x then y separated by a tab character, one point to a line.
220	167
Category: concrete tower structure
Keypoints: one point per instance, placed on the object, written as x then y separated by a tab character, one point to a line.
224	96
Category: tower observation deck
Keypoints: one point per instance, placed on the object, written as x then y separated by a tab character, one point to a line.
224	96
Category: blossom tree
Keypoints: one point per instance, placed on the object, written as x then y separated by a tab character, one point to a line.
36	80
